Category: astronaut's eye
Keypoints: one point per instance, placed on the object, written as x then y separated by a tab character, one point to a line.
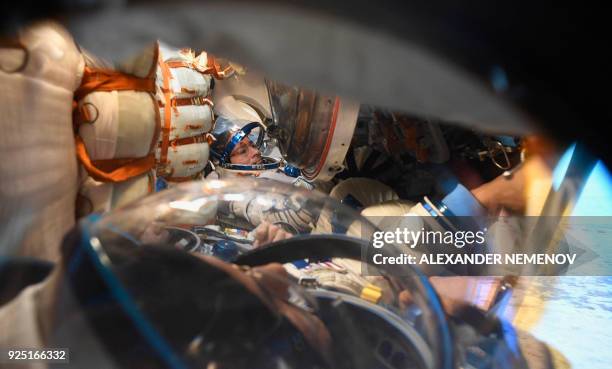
242	148
240	151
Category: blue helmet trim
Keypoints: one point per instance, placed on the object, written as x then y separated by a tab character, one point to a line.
292	171
236	139
268	163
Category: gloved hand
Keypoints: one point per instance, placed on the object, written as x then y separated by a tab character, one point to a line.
266	233
511	193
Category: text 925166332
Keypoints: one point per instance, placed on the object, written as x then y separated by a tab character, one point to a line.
51	355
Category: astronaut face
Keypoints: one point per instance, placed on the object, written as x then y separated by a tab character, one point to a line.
246	153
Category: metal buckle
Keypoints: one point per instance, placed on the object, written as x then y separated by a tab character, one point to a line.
494	148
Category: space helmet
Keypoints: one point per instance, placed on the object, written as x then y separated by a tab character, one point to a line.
173	281
237	121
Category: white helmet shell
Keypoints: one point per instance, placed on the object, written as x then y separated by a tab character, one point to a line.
243	97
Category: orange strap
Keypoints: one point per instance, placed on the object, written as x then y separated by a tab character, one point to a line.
215	68
113	170
181	64
210	139
179	179
189	101
206	137
166	76
110	80
151	186
190	140
212	66
97	79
